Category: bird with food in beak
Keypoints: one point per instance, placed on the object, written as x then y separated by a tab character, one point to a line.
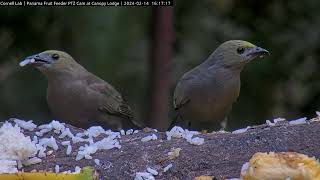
78	97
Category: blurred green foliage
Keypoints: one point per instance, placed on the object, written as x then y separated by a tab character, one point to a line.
114	43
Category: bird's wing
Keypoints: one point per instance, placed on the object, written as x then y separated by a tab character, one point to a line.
180	96
184	87
113	102
179	102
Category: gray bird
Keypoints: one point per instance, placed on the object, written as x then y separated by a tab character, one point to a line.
78	97
204	96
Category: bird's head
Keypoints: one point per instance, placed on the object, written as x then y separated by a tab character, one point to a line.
237	53
52	61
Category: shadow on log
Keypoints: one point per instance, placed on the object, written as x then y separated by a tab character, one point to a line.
222	154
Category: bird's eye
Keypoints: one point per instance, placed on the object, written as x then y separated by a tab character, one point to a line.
240	50
55	56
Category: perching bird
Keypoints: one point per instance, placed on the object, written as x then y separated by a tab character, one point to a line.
77	96
204	96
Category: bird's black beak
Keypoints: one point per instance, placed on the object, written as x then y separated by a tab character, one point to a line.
257	52
37	60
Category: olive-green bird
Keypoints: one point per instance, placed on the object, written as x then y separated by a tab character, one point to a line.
77	96
204	96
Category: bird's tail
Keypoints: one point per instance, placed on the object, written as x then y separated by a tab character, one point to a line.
177	119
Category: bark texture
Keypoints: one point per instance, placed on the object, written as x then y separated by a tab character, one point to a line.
222	155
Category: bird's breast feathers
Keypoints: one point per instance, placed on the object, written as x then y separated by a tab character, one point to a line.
213	89
68	94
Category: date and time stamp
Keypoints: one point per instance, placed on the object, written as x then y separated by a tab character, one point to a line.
89	3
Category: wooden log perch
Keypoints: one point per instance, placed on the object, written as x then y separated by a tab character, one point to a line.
222	154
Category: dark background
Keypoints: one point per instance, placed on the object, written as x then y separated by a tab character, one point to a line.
115	43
